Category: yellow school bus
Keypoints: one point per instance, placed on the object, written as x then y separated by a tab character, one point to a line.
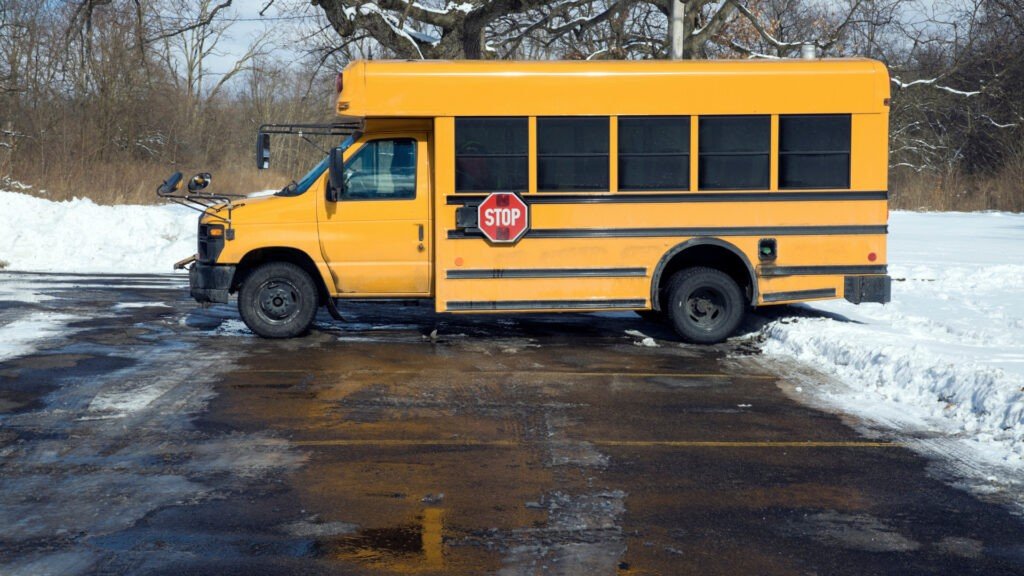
685	191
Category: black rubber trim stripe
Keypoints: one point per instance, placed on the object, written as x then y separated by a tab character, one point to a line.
800	295
671	232
547	273
820	270
628	198
544	305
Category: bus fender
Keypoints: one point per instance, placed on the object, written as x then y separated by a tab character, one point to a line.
691	243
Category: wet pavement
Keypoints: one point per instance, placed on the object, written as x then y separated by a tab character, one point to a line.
146	435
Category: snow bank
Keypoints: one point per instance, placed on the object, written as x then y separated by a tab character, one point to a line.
946	356
80	236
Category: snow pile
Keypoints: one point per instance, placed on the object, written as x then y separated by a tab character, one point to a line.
946	356
80	236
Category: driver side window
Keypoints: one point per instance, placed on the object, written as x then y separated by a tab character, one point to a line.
382	170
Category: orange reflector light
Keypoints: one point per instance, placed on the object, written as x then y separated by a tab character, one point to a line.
872	256
216	231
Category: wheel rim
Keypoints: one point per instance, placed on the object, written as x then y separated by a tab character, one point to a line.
706	308
278	301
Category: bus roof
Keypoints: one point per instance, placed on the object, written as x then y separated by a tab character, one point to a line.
432	88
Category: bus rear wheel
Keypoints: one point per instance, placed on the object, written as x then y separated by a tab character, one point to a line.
704	304
278	300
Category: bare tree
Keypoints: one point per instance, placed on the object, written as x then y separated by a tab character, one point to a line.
91	87
192	41
586	28
414	30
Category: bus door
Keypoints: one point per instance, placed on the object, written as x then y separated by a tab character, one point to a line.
376	238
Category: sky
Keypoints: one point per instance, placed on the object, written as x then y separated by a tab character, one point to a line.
250	25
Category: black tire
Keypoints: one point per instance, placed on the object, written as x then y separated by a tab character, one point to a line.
278	300
704	304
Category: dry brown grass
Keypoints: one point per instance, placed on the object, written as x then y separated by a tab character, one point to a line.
1004	191
136	183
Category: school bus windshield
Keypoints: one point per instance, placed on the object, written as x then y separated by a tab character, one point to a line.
294	188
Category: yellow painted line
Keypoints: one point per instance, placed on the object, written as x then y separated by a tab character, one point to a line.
631	374
745	444
386	442
410	442
526	372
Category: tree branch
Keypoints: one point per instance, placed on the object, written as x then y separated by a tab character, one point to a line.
203	21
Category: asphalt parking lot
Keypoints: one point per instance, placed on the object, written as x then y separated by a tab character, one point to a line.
150	436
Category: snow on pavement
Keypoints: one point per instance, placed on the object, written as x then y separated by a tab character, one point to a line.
944	359
19	337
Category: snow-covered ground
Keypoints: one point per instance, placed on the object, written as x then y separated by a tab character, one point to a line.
945	359
80	236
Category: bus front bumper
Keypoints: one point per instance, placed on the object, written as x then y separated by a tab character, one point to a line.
858	289
210	282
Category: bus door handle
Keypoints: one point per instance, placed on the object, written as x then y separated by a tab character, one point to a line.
421	247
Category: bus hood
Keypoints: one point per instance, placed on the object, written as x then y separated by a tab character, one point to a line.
264	210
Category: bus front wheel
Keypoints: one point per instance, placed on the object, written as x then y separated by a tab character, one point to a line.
278	300
704	304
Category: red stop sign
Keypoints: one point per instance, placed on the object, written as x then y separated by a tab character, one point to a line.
503	217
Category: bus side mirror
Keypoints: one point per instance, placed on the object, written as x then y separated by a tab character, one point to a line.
170	186
335	175
199	182
262	151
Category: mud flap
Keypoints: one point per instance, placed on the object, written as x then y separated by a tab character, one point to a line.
332	309
859	289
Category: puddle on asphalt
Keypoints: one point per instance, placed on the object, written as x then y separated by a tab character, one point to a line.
855	531
418	545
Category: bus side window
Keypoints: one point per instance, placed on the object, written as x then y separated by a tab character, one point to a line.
654	153
491	154
734	152
814	151
572	153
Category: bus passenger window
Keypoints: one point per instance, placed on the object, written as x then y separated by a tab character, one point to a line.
814	151
654	153
734	152
572	153
491	154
